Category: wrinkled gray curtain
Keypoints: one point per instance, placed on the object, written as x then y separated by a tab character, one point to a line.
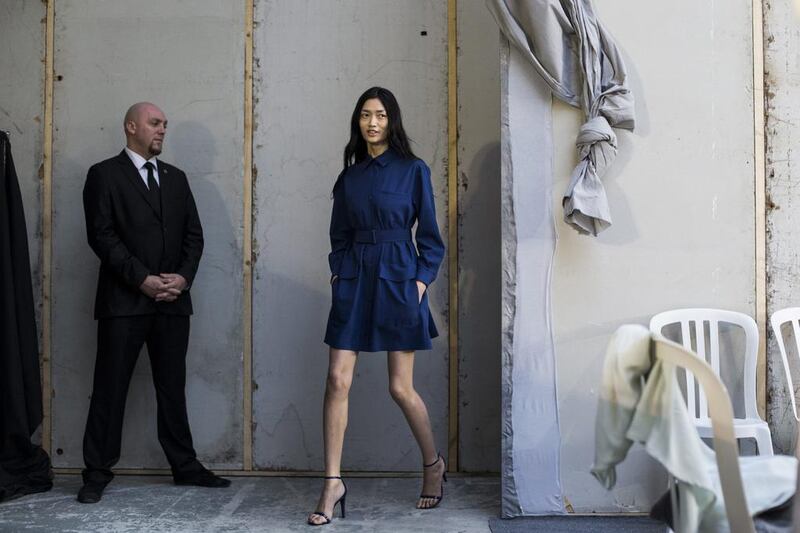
530	432
577	58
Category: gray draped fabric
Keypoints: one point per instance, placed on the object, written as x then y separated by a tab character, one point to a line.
531	431
571	51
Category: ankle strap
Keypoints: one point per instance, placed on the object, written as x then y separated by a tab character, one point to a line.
438	458
333	477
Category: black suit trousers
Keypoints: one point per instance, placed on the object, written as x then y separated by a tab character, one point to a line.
119	342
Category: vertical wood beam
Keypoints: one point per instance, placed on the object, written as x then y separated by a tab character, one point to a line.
247	243
760	203
47	228
452	225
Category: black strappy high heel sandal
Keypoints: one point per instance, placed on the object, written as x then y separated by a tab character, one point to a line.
340	501
438	498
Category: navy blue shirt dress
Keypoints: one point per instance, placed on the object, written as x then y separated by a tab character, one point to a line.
375	301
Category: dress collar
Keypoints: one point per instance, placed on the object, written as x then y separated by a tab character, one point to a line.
384	159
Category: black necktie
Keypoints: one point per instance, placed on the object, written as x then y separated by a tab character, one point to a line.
155	192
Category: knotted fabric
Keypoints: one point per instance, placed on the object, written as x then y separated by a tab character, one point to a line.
585	202
571	51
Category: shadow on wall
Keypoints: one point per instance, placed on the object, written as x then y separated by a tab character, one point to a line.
480	359
74	283
624	229
214	358
214	361
288	397
213	368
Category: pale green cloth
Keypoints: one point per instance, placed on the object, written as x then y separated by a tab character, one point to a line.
641	401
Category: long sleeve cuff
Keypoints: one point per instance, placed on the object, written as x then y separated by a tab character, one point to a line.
426	276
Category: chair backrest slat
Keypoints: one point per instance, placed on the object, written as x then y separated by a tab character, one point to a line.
686	339
700	350
695	320
713	340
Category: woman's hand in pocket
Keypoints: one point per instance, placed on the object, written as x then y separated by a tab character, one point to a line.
421	289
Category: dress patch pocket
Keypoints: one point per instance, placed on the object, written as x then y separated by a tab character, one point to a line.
397	291
343	290
342	295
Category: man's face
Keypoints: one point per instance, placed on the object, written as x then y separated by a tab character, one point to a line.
146	131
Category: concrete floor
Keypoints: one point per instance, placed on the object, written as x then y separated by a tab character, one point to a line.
252	504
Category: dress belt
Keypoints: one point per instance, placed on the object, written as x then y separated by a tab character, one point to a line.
375	236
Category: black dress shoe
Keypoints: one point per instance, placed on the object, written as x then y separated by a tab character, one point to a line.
204	478
91	492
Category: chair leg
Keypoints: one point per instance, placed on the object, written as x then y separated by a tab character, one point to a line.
674	504
764	441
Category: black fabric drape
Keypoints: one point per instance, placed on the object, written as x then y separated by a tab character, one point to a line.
24	467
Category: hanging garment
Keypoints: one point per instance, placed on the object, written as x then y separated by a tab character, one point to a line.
24	467
374	264
571	51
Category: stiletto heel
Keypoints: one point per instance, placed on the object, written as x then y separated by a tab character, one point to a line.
340	502
437	499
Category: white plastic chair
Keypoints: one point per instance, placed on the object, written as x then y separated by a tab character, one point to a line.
796	502
722	424
778	319
752	425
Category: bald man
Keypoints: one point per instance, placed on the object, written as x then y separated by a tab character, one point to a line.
142	222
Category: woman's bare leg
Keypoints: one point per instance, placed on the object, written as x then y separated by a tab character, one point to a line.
334	420
401	387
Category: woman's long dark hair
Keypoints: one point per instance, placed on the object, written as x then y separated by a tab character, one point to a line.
356	149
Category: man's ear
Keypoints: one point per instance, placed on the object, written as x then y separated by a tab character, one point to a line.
130	127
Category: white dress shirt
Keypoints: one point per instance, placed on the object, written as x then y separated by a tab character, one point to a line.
139	161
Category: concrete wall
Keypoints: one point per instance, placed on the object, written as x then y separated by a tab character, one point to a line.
782	114
22	113
109	55
313	61
187	57
479	238
681	195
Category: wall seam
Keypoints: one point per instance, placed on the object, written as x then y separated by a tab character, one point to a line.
247	244
759	167
47	229
452	227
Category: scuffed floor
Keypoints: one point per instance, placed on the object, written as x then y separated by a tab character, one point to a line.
252	504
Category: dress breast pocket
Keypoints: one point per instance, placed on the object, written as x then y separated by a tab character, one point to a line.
394	197
396	208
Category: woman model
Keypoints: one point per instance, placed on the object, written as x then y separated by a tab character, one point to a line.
379	281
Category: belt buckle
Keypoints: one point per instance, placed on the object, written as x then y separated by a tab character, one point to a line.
374	236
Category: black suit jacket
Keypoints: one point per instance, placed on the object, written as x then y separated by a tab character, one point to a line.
132	239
